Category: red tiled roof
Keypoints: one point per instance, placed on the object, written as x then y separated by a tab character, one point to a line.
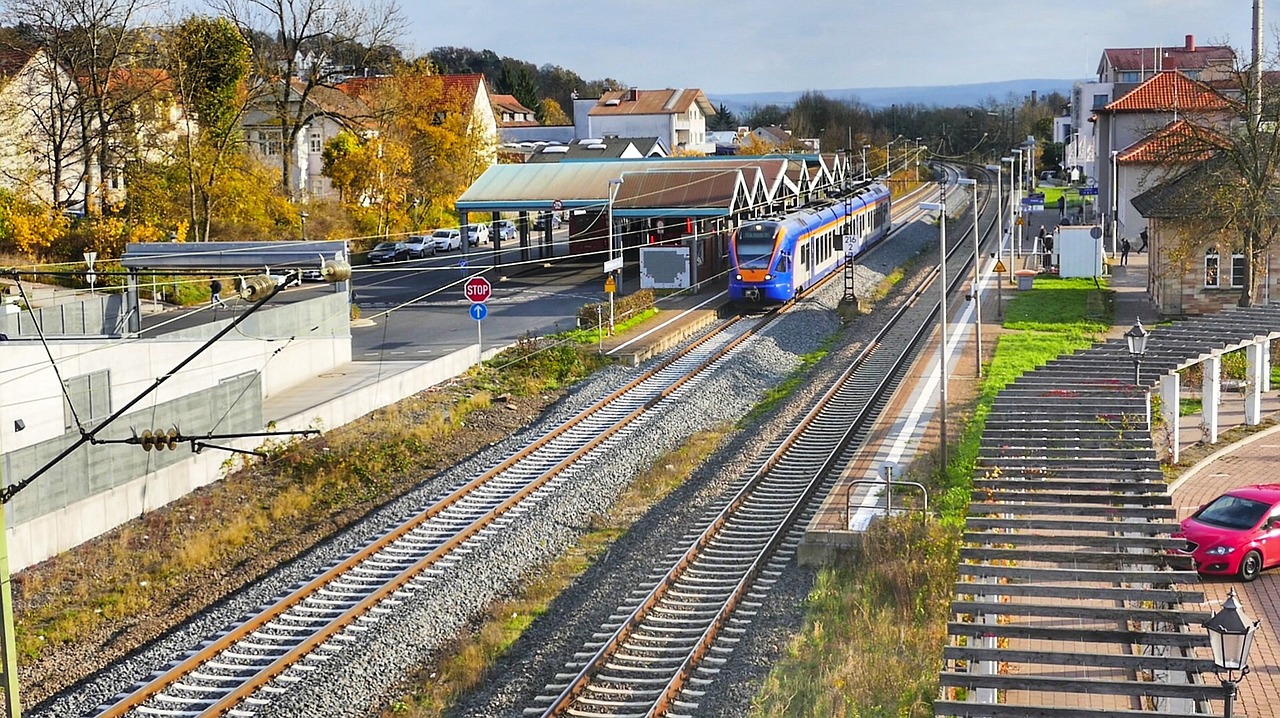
1179	142
463	87
651	102
11	61
1131	59
1170	91
509	103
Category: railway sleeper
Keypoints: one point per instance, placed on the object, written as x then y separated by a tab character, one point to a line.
631	645
624	670
638	659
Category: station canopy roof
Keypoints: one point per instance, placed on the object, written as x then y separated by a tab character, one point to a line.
681	186
230	255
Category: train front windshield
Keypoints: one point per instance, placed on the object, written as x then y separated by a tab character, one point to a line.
755	246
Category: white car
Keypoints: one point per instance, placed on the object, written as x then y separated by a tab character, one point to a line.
447	239
477	234
505	228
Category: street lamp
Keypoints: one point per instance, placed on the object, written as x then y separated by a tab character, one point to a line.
864	160
1137	340
1230	637
303	216
614	184
1016	198
941	208
1115	201
974	294
999	170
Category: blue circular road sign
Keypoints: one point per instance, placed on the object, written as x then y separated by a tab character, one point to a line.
479	311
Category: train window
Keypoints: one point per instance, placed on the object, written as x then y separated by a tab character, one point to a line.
784	264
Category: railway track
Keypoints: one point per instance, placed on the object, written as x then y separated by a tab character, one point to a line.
244	666
242	669
664	643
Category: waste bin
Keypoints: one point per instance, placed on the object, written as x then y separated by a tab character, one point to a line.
1025	276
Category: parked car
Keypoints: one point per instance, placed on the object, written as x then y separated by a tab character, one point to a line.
541	220
477	234
312	274
388	252
447	239
1236	534
505	228
420	245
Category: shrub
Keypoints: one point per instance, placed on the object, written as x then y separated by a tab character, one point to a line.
591	316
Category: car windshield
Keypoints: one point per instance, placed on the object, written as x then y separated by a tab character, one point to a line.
385	245
755	247
1232	512
442	233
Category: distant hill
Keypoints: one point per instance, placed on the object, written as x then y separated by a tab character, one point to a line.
879	97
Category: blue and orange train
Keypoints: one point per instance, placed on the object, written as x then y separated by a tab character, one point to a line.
776	259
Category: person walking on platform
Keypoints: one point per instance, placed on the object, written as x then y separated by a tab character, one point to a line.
1124	251
1143	236
215	293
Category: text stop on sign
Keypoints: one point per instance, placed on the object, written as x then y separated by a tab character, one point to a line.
478	289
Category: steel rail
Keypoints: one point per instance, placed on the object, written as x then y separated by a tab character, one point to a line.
816	420
157	685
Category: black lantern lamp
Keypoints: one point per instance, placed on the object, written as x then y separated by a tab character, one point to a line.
1230	637
1137	339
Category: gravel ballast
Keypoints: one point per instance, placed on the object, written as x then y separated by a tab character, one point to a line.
368	672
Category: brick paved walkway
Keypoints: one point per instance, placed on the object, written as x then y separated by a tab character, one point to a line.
1256	460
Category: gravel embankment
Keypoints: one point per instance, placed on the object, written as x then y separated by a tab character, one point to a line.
366	673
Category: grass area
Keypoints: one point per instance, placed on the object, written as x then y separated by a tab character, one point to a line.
591	336
471	657
875	628
303	485
1188	407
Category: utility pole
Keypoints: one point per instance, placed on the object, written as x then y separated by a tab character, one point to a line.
8	634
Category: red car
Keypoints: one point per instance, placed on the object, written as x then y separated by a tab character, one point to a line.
1237	533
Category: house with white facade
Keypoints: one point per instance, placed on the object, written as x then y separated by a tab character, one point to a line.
1122	69
1127	128
44	155
677	116
326	111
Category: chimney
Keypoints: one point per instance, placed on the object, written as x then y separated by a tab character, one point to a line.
633	94
1191	43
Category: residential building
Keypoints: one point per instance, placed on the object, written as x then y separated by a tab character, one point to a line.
44	154
325	112
618	148
677	116
1125	131
1120	70
1188	275
511	113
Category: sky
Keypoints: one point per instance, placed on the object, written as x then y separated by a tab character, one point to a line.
765	46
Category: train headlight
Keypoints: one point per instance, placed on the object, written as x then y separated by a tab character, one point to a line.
738	277
768	277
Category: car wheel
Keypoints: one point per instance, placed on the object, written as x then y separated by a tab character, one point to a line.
1250	566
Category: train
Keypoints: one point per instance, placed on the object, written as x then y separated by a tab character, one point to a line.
774	259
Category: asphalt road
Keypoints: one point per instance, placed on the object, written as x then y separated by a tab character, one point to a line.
418	310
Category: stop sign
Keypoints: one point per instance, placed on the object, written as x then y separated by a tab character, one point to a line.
478	290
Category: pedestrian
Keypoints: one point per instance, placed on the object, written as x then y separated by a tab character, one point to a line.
215	293
1143	236
1062	205
1124	251
1041	235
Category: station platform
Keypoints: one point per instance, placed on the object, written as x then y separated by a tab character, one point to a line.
681	315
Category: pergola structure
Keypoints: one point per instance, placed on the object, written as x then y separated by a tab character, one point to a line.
1072	594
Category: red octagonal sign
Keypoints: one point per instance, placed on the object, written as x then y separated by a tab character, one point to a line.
478	290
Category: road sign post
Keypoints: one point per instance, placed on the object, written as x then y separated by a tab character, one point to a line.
478	312
90	276
610	288
478	290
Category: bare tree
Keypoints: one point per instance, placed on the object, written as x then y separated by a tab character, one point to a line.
295	43
40	110
97	42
